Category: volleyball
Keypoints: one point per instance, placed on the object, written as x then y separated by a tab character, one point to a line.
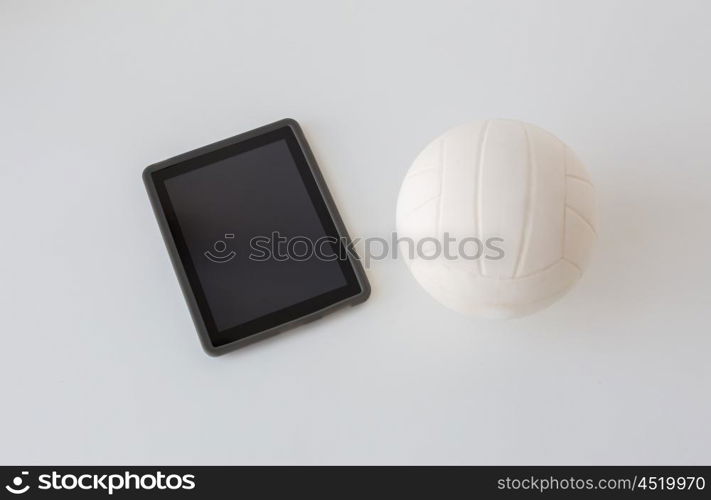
517	207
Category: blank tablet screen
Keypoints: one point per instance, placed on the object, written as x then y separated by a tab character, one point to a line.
246	220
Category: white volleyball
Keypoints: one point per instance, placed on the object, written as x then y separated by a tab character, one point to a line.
518	197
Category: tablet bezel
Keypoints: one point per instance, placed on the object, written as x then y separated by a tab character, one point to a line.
214	341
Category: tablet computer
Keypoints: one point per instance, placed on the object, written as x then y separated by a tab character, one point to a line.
254	236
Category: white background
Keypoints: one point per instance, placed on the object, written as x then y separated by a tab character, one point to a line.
99	361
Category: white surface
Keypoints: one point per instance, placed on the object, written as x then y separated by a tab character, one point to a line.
506	184
99	362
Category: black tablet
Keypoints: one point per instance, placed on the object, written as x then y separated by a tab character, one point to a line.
254	236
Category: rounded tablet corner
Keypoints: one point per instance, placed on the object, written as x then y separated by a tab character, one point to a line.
210	349
291	123
364	293
146	174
